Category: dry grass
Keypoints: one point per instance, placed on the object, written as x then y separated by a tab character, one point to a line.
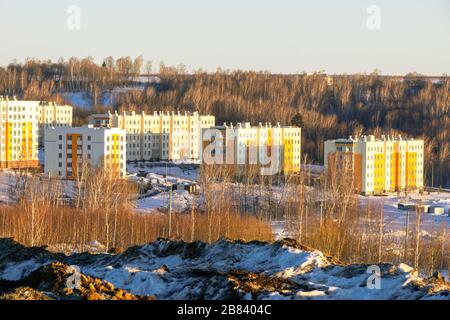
77	228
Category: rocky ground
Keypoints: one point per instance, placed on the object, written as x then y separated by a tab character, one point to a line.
223	270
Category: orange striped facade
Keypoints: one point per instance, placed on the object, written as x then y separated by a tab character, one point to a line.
74	144
264	145
379	166
19	150
67	150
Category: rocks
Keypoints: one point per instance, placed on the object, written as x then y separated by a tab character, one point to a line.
257	284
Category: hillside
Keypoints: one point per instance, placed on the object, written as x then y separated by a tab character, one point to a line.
223	270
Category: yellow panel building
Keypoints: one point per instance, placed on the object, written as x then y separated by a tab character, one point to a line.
269	146
387	164
18	133
160	135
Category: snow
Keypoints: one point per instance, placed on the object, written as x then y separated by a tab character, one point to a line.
16	271
162	177
180	202
78	99
189	172
109	98
176	270
83	100
325	280
395	219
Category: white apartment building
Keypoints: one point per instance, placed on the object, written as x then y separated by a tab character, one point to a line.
18	133
53	115
161	135
67	148
263	145
378	165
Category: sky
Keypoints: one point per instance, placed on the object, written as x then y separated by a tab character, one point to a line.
280	36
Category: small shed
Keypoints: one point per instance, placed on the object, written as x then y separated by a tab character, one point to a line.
407	206
436	210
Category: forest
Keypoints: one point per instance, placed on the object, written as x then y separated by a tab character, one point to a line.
326	107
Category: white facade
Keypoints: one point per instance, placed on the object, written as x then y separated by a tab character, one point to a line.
18	133
53	115
264	145
163	135
67	148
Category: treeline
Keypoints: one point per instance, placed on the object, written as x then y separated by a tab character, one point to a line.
348	105
102	209
45	79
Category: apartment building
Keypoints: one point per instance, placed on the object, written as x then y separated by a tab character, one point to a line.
53	115
67	149
18	133
161	135
265	145
381	165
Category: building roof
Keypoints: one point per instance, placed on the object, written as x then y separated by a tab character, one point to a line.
372	138
247	125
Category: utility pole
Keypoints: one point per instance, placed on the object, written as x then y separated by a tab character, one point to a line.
193	220
306	221
405	252
380	243
170	212
321	214
432	174
416	251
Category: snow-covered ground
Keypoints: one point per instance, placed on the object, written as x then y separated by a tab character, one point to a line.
284	270
161	176
109	98
164	174
181	201
185	171
78	99
83	100
395	219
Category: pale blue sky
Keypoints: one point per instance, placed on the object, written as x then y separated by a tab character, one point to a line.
278	35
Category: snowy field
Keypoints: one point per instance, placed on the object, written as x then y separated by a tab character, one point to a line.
395	219
158	177
161	176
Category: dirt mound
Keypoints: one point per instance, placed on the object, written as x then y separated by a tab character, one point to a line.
58	281
12	251
226	269
256	283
